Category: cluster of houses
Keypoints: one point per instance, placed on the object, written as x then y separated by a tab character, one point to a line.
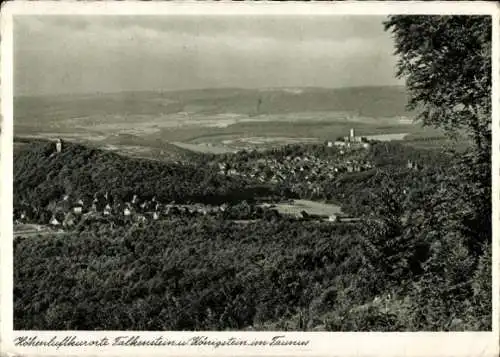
412	165
305	169
67	212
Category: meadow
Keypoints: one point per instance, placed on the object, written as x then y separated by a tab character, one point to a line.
296	207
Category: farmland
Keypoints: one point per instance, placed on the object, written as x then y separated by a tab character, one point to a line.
213	121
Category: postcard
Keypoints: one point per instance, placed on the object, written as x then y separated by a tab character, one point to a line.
250	178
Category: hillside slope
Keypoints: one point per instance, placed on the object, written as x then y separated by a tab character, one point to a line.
41	175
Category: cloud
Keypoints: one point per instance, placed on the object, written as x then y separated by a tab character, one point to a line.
113	53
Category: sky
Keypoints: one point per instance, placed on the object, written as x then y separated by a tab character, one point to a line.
89	54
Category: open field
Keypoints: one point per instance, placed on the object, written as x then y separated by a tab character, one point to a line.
27	230
431	139
387	137
18	146
311	207
247	135
204	148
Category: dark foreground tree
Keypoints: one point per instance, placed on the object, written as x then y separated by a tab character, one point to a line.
446	61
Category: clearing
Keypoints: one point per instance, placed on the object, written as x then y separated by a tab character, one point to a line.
311	207
27	230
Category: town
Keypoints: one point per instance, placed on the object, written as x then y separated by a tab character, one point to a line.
305	171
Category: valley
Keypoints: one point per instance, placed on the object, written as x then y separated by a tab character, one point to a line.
268	219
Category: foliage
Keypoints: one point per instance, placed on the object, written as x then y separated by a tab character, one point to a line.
208	272
41	176
180	274
446	61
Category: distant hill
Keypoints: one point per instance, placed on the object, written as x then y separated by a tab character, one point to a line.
385	101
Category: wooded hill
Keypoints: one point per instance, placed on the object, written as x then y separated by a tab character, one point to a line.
42	175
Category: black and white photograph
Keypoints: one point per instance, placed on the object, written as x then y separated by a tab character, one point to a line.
294	173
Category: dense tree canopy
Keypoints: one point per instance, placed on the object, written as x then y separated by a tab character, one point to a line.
41	176
446	61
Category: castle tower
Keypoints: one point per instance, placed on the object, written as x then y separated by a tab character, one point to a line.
58	145
352	134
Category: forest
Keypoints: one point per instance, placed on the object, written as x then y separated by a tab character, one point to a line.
418	258
205	273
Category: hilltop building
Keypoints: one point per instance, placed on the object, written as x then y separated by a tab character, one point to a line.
351	141
58	145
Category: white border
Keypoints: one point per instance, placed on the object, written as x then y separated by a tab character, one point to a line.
250	8
322	343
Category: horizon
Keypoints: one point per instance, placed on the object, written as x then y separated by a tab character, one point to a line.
284	88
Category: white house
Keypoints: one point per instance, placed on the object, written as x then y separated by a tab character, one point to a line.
332	218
